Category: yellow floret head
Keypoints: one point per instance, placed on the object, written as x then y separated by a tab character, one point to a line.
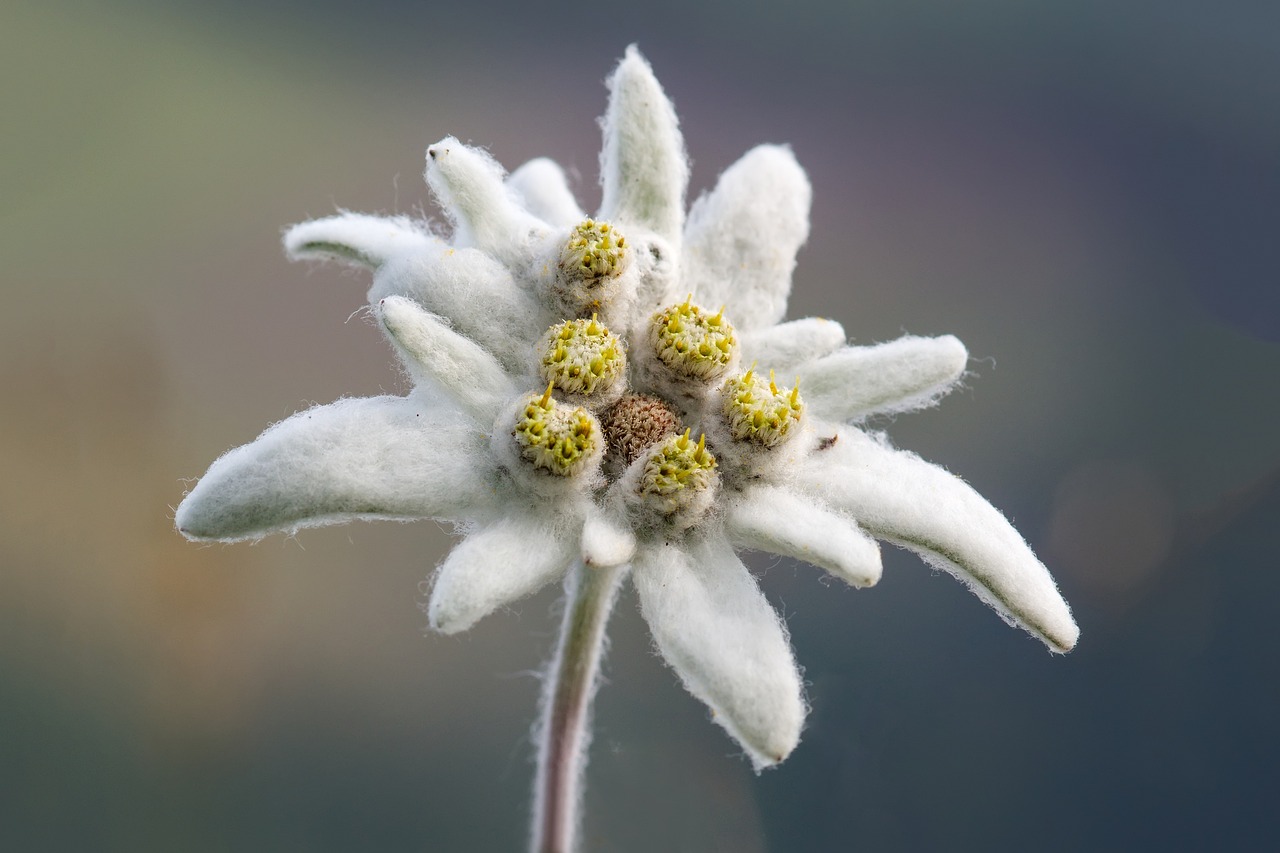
693	342
557	439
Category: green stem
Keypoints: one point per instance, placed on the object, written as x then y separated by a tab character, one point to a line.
566	707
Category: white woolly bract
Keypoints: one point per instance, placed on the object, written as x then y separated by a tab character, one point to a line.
540	186
898	497
478	295
357	238
643	167
714	627
498	564
369	458
779	521
434	353
469	186
741	240
898	376
607	539
785	347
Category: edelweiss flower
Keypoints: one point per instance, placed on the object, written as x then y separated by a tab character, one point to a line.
592	393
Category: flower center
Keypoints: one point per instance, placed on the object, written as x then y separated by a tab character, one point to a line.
634	423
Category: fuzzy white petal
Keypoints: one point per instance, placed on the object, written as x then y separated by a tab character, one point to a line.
714	627
501	563
643	167
898	497
367	458
787	346
540	185
356	238
469	185
433	352
898	376
742	238
607	539
777	520
475	293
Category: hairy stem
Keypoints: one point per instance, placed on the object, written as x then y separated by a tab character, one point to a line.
564	732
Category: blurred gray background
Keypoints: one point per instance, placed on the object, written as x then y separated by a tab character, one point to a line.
1086	193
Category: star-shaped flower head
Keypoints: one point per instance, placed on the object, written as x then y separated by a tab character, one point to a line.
606	390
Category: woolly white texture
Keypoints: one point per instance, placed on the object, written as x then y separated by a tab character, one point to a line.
713	626
780	521
742	238
434	352
504	562
898	376
355	238
469	185
477	293
643	168
897	496
540	185
607	540
482	296
787	346
378	457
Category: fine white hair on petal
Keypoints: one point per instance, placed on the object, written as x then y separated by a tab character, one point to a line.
540	185
714	627
741	240
898	376
898	497
777	520
786	346
433	352
366	458
496	565
469	186
356	238
475	293
643	167
607	539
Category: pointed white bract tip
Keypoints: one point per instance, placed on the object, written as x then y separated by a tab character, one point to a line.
495	566
357	239
191	520
742	237
1063	634
643	167
434	352
900	498
897	376
787	346
951	355
780	521
368	458
712	624
606	542
470	186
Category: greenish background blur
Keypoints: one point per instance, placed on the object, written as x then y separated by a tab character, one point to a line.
1086	193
